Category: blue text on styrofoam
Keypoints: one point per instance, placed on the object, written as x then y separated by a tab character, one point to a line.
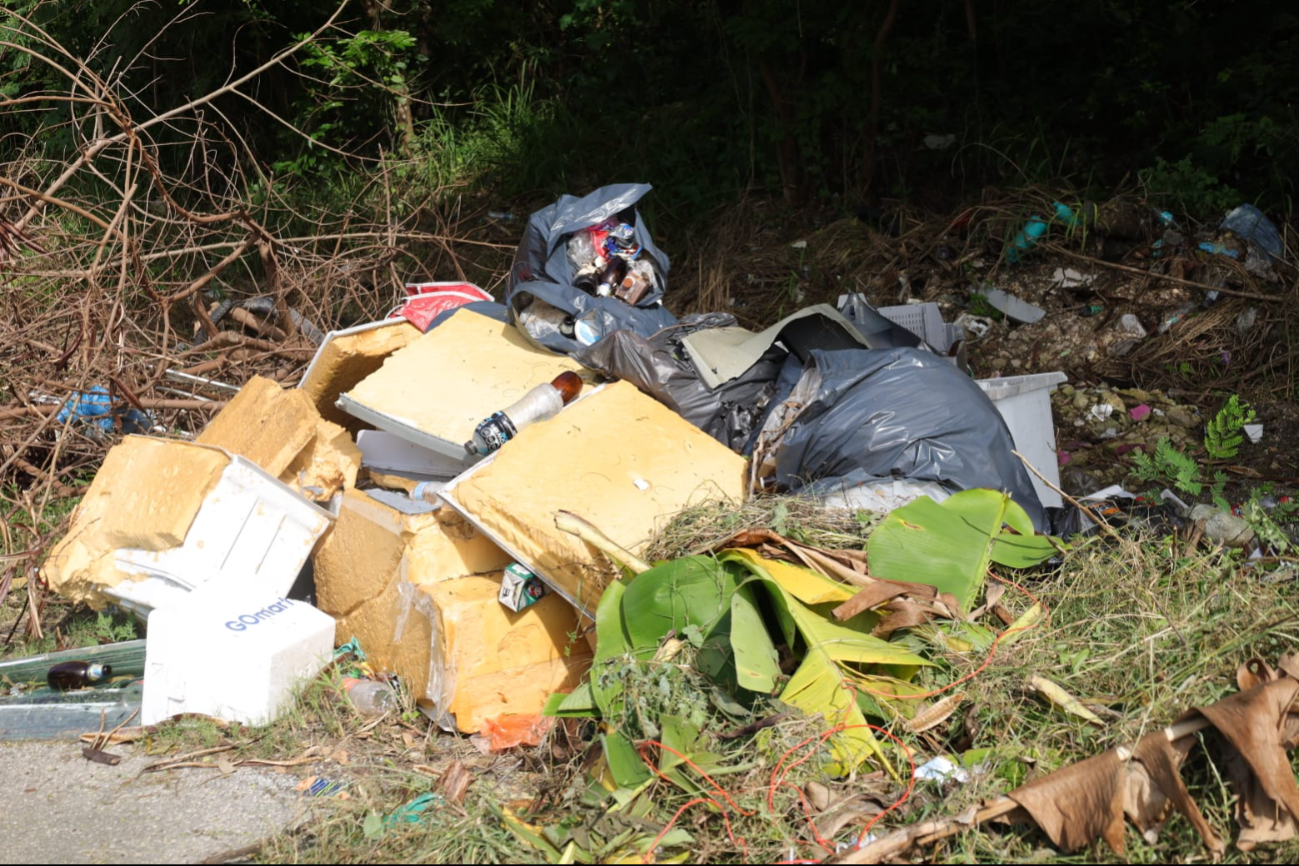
243	621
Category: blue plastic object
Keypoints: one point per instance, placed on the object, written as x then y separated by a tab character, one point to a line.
95	407
1250	223
1034	229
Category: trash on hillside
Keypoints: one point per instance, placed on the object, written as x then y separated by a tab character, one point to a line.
280	430
435	391
1012	307
976	327
385	452
1223	527
858	416
587	267
1068	278
71	675
234	649
615	453
348	356
420	589
163	517
520	588
1254	432
1249	223
52	714
426	301
101	413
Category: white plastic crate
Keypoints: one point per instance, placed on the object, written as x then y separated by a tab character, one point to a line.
1025	404
234	650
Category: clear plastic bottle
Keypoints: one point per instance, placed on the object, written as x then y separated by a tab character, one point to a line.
581	250
370	697
542	402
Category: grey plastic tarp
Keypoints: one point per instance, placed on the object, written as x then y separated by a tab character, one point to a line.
542	271
889	413
659	367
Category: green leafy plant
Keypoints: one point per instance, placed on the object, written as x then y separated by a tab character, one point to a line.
1172	467
1222	435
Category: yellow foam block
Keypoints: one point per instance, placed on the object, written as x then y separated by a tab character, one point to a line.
450	379
346	358
617	458
369	565
488	660
145	496
280	430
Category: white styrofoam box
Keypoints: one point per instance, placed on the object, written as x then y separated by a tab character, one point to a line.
251	524
1025	404
231	649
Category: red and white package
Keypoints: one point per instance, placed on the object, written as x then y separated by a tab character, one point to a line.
426	301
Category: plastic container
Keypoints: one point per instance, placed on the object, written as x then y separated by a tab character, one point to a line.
234	650
1025	404
370	697
1034	229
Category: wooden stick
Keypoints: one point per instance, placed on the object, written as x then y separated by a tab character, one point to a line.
1100	521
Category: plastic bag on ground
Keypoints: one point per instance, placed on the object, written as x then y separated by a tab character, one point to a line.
516	729
658	366
543	272
859	415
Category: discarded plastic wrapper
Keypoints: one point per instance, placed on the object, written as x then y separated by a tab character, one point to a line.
348	356
163	517
506	732
614	454
98	409
234	650
281	431
435	391
426	301
520	587
1251	224
421	593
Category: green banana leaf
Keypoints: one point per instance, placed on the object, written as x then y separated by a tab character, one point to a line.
611	648
951	544
691	591
757	665
822	683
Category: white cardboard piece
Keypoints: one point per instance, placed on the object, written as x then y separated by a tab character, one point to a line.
250	526
388	452
234	650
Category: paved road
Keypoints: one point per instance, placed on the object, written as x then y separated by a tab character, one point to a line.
57	807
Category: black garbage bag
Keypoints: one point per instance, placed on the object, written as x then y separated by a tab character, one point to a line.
659	367
542	300
900	413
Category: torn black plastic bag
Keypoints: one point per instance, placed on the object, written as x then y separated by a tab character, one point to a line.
890	413
659	367
542	274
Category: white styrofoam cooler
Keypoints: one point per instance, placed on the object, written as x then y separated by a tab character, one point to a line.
249	525
1025	404
232	649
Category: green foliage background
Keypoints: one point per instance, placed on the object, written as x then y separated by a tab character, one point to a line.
708	99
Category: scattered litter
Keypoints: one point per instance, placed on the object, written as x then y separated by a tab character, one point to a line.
371	698
1012	307
520	587
941	769
1129	332
799	245
314	786
1222	527
1246	319
1139	413
1248	222
1177	315
1035	228
509	731
1254	432
541	403
426	301
1068	278
978	326
1101	411
102	413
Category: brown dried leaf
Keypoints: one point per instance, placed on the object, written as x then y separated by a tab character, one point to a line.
1078	803
931	717
455	782
1162	762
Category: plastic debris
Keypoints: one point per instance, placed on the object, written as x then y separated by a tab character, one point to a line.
1012	307
1254	432
1139	413
511	730
1130	333
1248	222
941	769
1068	278
97	409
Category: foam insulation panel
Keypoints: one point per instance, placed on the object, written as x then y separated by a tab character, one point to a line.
348	356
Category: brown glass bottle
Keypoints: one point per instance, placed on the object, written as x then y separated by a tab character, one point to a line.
67	676
611	276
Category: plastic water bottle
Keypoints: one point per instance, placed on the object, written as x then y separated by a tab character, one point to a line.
1034	229
542	402
370	697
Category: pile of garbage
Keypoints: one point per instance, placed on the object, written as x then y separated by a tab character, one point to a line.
466	490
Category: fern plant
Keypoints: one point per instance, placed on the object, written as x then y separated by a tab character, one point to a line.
1173	467
1222	435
